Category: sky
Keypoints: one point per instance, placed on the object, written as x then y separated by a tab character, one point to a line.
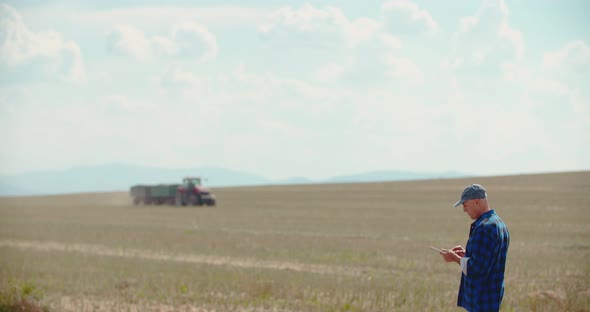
296	88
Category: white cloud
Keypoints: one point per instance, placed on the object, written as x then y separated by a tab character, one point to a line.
243	90
581	109
176	76
152	18
132	41
570	65
21	46
246	109
513	36
467	23
308	18
561	82
514	72
365	29
186	41
574	56
549	102
406	17
549	85
490	75
194	40
329	72
403	68
276	93
317	28
360	48
328	27
486	40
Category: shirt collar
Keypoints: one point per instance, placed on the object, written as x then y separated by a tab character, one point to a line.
484	216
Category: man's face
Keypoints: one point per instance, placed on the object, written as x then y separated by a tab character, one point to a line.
471	207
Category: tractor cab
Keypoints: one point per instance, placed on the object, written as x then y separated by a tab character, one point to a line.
191	182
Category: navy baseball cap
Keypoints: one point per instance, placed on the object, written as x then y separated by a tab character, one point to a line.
473	191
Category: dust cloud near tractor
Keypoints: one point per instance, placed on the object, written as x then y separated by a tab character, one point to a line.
190	193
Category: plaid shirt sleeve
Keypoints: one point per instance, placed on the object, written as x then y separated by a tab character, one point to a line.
482	288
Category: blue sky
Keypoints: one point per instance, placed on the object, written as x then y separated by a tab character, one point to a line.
296	88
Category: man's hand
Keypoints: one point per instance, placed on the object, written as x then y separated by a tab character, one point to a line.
460	251
450	256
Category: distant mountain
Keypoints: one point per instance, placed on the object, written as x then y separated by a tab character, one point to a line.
7	189
119	177
392	175
295	180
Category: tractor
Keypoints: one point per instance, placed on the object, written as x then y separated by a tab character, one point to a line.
192	193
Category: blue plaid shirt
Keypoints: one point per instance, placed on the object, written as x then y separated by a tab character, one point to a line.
482	288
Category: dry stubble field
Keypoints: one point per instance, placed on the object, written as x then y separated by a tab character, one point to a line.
348	247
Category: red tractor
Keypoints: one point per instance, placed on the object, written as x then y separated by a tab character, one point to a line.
192	193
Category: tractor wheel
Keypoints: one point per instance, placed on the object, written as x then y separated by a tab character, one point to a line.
193	200
178	200
136	201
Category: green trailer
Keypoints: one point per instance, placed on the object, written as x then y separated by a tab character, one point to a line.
156	194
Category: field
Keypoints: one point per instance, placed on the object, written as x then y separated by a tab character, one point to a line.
347	247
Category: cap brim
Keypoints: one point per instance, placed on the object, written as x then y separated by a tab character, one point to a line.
460	202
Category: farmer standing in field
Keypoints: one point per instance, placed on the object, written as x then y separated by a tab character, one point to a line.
484	259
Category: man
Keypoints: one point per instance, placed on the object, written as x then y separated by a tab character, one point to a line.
484	259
